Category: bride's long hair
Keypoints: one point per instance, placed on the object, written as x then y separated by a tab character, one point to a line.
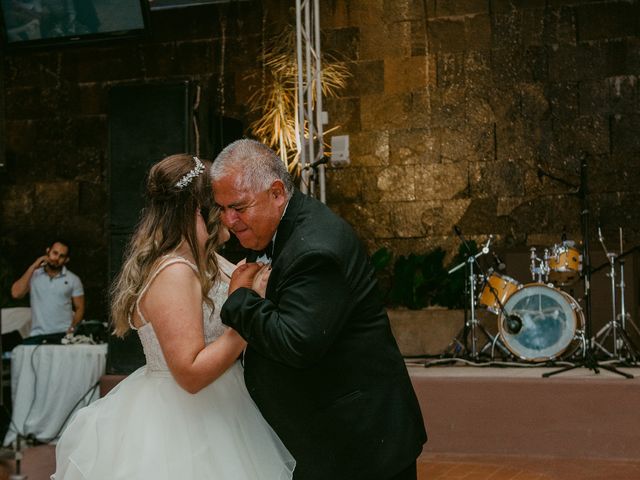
168	218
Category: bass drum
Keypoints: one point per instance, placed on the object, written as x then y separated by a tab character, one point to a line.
550	319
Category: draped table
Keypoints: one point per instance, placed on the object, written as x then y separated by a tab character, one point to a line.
49	383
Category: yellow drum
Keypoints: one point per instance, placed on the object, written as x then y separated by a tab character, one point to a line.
565	263
503	287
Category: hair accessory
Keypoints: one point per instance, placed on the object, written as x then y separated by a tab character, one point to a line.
193	173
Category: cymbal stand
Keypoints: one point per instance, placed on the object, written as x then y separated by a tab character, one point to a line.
623	347
472	324
588	359
624	315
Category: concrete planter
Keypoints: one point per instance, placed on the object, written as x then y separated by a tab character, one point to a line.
425	332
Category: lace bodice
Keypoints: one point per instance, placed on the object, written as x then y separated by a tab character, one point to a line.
213	326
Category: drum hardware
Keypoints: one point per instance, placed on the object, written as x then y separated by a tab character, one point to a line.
541	269
623	347
472	325
588	359
625	317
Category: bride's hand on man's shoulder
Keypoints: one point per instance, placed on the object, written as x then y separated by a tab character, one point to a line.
243	276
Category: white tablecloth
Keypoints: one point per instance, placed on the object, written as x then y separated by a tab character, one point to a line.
47	381
18	318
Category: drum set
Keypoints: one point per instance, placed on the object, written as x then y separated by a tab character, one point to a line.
537	321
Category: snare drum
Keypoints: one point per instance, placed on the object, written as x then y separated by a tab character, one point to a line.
565	263
550	319
503	287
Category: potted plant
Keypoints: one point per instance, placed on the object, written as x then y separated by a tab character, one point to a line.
424	302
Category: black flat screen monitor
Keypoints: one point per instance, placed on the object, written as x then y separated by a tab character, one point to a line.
170	4
32	23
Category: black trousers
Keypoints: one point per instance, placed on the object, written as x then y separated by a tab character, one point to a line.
409	473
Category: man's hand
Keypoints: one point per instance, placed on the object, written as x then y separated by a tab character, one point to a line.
261	279
243	276
40	261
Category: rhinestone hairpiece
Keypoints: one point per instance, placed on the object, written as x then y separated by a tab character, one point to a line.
193	173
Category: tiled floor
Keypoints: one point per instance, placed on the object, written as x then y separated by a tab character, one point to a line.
39	462
470	467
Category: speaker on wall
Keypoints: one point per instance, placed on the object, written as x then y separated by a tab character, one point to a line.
224	130
146	123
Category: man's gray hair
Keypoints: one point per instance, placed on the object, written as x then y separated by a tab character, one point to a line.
254	166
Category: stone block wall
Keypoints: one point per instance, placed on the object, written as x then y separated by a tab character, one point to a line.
479	114
474	113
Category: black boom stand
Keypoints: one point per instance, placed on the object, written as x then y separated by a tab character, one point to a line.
588	359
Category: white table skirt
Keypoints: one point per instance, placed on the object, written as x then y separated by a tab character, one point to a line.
59	376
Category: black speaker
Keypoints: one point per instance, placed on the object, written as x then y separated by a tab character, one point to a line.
146	123
224	130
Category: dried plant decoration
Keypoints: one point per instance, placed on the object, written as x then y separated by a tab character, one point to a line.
274	101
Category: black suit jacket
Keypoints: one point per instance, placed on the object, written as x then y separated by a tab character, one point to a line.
322	364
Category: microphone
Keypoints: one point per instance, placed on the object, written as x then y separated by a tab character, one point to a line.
513	323
500	265
320	161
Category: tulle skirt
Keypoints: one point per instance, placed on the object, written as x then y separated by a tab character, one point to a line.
149	428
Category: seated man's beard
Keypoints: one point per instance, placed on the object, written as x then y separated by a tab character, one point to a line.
55	268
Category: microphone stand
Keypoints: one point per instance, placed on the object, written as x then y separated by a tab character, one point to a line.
473	325
588	359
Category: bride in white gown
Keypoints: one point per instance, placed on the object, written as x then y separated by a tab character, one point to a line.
186	414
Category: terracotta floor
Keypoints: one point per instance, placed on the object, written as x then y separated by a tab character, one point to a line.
470	467
39	462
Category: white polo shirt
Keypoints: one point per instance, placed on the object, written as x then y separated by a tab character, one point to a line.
51	307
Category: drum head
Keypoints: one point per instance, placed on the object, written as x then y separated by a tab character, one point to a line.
548	322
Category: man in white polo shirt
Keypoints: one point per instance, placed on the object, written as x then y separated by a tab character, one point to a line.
56	295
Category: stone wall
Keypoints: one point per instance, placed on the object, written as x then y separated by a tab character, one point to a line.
56	135
458	112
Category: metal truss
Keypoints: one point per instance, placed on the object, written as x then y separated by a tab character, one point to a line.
310	117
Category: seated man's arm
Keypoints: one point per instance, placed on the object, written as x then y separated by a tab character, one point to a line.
78	312
21	286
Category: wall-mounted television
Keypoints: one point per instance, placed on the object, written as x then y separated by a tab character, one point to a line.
32	23
170	4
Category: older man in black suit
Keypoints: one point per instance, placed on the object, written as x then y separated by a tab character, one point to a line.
321	363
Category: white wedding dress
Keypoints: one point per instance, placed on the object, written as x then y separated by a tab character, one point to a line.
149	428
